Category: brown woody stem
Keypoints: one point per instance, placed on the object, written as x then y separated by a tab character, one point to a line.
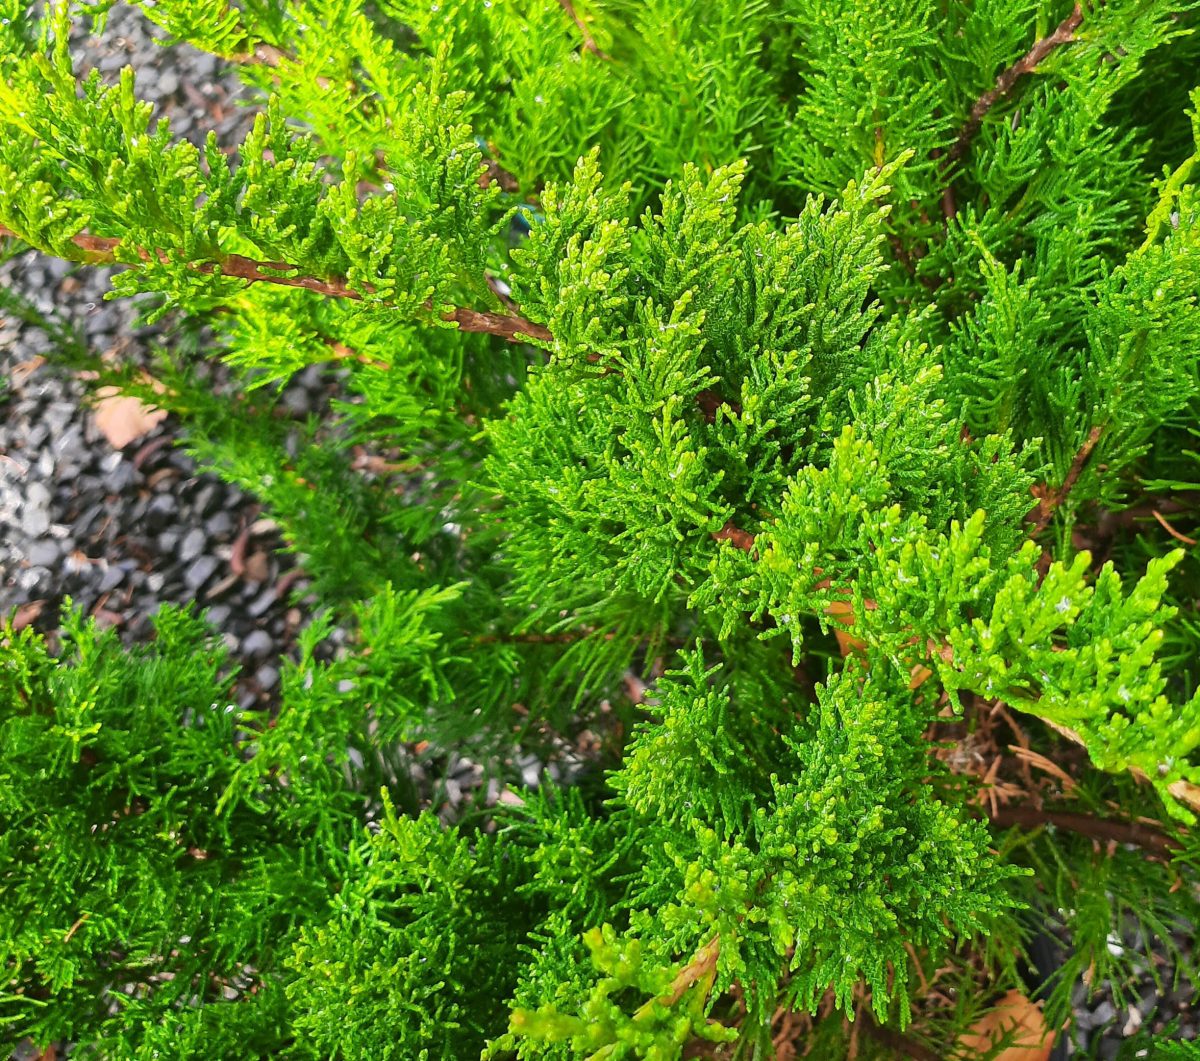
1054	497
738	538
1147	837
1064	33
101	250
702	967
589	42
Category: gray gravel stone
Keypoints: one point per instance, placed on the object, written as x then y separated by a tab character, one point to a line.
120	478
161	509
44	553
257	643
260	604
110	579
35	522
192	545
35	514
203	66
32	578
199	572
206	498
219	525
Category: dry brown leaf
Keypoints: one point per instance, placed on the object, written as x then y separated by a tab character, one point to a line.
20	372
843	612
1186	792
257	567
1045	765
123	419
1020	1019
27	613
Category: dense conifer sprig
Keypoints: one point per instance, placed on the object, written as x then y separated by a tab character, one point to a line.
781	403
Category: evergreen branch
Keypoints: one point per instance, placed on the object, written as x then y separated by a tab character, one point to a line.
1143	835
271	56
900	1044
1184	791
1052	498
261	55
702	967
101	250
700	970
589	42
1064	33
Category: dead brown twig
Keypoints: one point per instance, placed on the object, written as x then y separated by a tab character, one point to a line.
700	970
1162	521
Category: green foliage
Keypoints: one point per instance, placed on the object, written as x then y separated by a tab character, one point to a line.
741	406
866	866
131	899
383	976
659	1028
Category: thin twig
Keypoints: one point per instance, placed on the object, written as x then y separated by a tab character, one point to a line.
702	967
263	54
899	1044
1053	497
589	42
1162	520
1147	837
1064	33
75	928
100	250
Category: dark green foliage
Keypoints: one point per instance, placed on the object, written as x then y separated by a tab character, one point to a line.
129	896
384	961
785	409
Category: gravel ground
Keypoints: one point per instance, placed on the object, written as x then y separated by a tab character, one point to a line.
1102	1026
121	531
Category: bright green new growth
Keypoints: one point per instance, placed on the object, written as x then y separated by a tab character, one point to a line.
685	338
